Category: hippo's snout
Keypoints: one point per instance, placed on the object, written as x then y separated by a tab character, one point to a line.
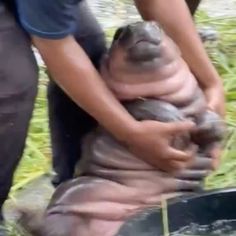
145	31
139	32
140	40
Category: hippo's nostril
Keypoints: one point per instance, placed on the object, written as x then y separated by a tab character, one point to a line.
131	29
118	33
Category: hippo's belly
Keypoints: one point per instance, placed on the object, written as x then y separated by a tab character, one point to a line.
189	98
173	83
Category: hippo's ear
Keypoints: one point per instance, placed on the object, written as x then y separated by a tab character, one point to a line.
118	33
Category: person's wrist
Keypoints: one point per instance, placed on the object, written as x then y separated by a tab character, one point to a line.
129	131
212	80
216	82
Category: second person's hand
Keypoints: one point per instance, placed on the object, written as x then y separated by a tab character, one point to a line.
150	140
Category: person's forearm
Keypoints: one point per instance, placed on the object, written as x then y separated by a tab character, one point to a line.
73	71
176	20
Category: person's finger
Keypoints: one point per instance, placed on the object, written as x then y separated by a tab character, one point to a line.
215	107
172	166
215	153
180	127
192	174
187	185
177	155
201	163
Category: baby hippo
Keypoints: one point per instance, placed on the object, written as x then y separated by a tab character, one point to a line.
145	67
143	63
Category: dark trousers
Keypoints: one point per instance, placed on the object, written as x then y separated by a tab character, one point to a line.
18	88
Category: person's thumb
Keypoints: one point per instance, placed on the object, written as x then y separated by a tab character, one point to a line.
180	126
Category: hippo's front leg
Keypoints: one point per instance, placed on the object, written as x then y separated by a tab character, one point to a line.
209	133
198	169
165	112
211	130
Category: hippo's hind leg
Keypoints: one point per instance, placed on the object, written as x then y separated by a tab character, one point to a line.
35	224
64	225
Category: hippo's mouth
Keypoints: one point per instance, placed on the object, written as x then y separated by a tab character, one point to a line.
147	42
144	50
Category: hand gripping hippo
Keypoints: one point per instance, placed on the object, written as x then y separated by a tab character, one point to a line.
145	70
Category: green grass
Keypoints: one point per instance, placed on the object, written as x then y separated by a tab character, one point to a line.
223	55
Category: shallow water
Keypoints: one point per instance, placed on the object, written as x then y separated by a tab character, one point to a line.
218	228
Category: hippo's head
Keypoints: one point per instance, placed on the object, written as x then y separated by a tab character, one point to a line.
141	40
141	44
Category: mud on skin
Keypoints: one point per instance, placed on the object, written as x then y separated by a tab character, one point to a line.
145	70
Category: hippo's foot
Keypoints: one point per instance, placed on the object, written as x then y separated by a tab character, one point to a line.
198	170
211	130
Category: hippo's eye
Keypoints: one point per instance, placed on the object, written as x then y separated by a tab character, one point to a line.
118	33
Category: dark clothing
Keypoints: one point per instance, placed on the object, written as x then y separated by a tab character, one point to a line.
47	18
55	19
18	88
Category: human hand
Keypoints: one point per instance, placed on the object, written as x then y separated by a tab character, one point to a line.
216	153
215	98
216	102
151	142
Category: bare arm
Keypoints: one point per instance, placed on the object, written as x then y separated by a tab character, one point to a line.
76	75
176	20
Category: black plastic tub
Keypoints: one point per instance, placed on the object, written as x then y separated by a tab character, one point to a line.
203	209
